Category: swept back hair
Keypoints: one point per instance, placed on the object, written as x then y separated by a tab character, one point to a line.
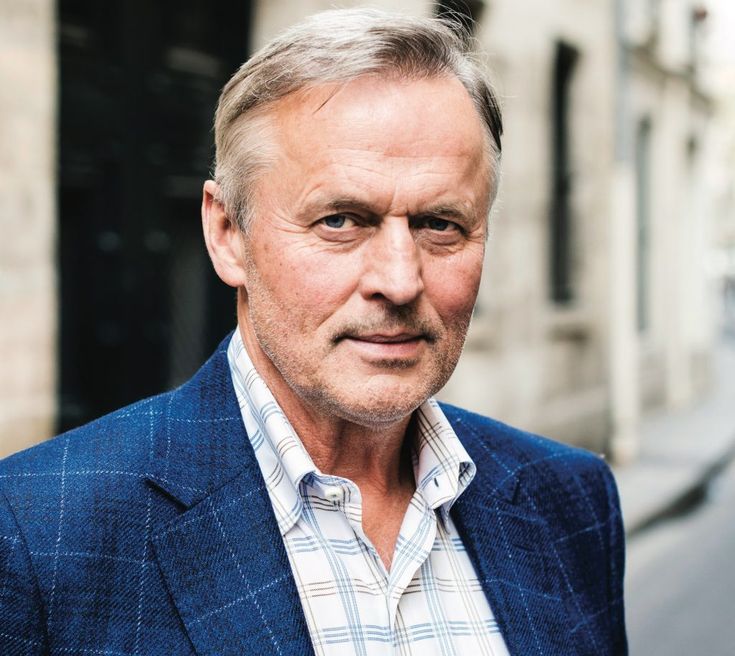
336	46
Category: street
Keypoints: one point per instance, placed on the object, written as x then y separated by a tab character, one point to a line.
680	582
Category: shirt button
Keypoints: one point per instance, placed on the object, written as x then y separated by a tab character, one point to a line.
334	494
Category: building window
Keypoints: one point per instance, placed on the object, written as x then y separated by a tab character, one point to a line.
565	61
466	13
643	220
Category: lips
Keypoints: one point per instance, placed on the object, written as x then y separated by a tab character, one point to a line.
387	339
397	350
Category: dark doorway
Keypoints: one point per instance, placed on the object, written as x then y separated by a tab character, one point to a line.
140	308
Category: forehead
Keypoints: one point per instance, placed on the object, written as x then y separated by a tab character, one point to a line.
423	137
396	117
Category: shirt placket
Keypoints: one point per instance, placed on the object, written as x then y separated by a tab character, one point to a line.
413	548
336	528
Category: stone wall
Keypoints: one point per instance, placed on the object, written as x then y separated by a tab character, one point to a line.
532	361
27	223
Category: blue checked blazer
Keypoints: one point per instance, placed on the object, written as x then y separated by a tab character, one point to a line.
150	532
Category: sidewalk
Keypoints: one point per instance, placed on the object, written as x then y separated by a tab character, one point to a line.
681	451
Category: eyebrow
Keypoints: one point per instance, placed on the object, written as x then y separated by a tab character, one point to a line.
349	203
344	203
452	211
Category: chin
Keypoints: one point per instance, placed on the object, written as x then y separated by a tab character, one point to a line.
375	417
374	408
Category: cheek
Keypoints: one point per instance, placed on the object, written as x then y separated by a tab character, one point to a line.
310	286
453	288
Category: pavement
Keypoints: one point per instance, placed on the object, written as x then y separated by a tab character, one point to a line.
681	451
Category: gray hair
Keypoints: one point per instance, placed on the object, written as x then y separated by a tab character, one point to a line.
331	47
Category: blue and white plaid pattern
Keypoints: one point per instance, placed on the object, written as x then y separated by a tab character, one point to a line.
431	601
150	532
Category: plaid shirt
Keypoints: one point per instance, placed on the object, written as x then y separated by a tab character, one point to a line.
431	601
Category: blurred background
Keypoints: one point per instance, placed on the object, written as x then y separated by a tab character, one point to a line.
607	313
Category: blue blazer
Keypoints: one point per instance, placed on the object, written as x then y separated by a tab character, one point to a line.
150	532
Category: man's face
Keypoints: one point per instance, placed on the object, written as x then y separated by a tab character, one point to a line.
365	253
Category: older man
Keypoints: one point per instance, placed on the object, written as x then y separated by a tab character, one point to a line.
303	492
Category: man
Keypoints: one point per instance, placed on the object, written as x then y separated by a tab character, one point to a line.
303	493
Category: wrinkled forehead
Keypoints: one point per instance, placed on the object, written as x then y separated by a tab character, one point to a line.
432	116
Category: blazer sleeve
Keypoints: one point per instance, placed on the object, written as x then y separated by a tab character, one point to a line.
22	629
616	569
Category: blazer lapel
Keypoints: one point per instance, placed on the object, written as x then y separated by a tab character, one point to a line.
217	542
229	575
513	554
513	558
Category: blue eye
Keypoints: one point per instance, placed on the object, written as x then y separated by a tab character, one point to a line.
335	221
439	224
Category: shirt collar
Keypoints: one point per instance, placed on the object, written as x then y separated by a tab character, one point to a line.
442	467
281	456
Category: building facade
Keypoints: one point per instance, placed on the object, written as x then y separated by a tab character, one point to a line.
28	302
596	306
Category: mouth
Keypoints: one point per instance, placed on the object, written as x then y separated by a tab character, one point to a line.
399	338
387	335
391	350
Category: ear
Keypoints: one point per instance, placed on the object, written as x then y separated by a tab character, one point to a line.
223	238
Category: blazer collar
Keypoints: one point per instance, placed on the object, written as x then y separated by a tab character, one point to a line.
510	545
220	551
201	443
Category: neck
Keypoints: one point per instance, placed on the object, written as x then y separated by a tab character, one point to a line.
377	458
373	458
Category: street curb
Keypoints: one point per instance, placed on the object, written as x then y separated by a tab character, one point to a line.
686	497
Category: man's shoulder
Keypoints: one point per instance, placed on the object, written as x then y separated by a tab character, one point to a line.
503	440
89	484
184	442
513	455
117	442
126	439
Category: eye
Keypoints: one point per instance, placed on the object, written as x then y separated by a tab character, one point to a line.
337	221
441	225
438	224
436	231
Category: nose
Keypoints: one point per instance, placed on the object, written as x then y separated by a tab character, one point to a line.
392	264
